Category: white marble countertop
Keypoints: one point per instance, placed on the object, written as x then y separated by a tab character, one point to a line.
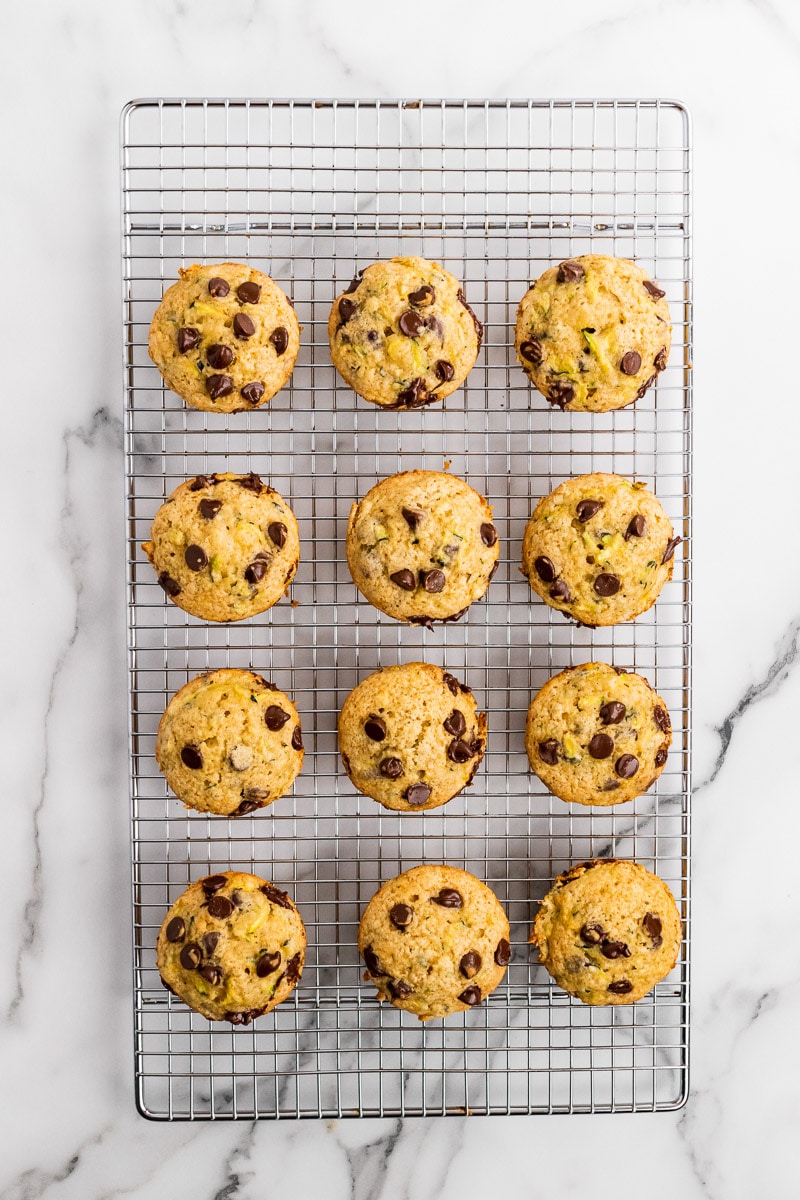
70	1126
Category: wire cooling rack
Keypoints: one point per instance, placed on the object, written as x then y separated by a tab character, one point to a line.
309	191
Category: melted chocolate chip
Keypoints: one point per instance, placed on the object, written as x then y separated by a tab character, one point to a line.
660	360
601	746
432	581
404	579
417	794
170	585
293	969
220	906
210	942
243	1018
243	326
275	718
276	896
191	956
202	481
607	585
346	309
195	557
443	370
560	591
647	383
192	758
374	965
375	728
502	955
267	963
247	806
612	712
256	571
470	964
219	356
435	326
661	718
471	996
626	766
213	883
218	286
280	340
297	738
415	395
210	508
253	392
592	935
454	686
399	989
548	751
661	756
614	950
411	518
278	533
545	569
532	350
488	534
610	785
401	915
448	898
561	393
621	987
456	723
354	282
652	927
218	386
252	483
570	271
411	323
187	339
176	930
636	527
249	292
586	509
670	550
631	362
652	289
478	327
390	768
423	297
459	752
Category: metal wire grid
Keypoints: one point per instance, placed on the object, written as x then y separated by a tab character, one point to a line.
308	192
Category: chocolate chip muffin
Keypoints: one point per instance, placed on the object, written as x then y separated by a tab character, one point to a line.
231	947
421	546
435	941
599	548
229	743
225	547
608	931
593	333
411	737
402	334
224	337
597	734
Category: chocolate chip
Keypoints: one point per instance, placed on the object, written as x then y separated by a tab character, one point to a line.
275	718
647	383
561	393
252	483
293	969
210	508
453	684
411	518
187	339
404	579
219	385
276	896
548	751
661	718
411	323
478	327
652	927
458	751
660	360
354	282
614	950
278	533
545	569
601	746
586	509
243	1018
631	362
607	585
470	964
253	392
375	728
211	973
237	897
592	935
256	571
218	286
210	942
399	989
488	534
626	766
448	898
401	915
661	756
267	963
532	350
249	292
502	955
191	956
456	723
560	591
195	557
636	527
280	340
670	550
444	371
435	326
651	288
372	335
432	581
415	395
621	987
417	794
220	906
471	996
346	309
247	806
243	326
390	768
170	585
612	712
423	297
191	758
202	481
213	883
176	930
219	356
570	271
374	965
297	738
610	785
